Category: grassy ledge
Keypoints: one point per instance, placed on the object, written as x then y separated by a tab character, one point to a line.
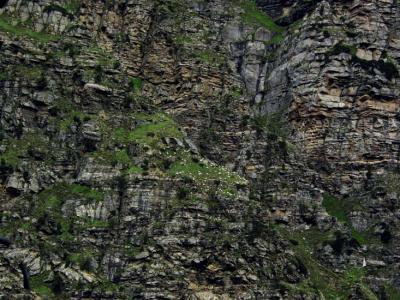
254	16
18	30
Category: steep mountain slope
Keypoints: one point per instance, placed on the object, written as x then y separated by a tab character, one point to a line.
181	149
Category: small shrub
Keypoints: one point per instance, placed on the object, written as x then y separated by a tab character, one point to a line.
343	48
182	193
136	84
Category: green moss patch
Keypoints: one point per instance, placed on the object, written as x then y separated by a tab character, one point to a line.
93	223
31	73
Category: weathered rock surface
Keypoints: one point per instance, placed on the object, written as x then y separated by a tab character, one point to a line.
197	150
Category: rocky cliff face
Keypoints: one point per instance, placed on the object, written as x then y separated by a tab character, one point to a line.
199	150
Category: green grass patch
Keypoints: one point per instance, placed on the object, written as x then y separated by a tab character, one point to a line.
72	5
182	39
209	57
40	287
321	279
4	75
340	208
343	48
105	59
154	128
276	39
17	149
392	292
84	191
203	172
50	203
134	170
72	117
31	73
136	84
255	16
69	114
151	130
337	208
122	157
20	31
94	223
81	259
354	275
114	157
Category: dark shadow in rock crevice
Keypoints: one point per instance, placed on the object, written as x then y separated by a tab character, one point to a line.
3	3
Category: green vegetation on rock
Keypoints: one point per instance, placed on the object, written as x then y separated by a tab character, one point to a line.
84	191
273	124
136	84
329	284
43	289
69	7
386	66
31	144
204	172
153	128
337	208
51	201
209	57
7	25
255	16
340	208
